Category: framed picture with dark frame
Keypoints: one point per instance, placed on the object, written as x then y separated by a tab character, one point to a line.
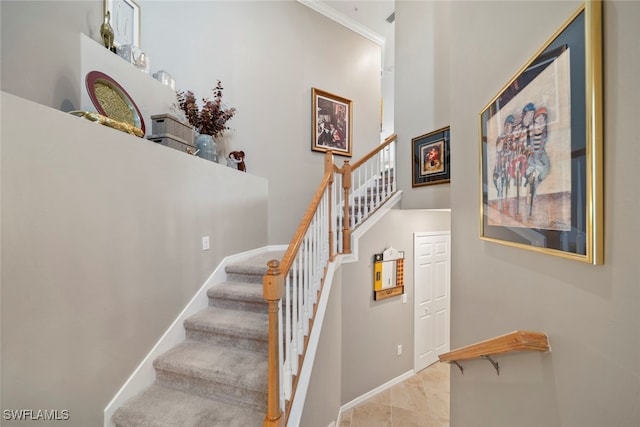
332	123
125	21
541	147
431	158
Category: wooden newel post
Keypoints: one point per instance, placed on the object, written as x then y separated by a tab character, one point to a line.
328	169
273	287
328	161
346	225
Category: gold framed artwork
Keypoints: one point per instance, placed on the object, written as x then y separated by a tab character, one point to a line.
332	123
541	147
431	162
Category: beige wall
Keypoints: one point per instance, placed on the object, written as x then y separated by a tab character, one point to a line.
421	91
40	51
357	349
268	55
371	330
592	376
323	397
101	239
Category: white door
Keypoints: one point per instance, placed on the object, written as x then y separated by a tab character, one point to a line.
432	296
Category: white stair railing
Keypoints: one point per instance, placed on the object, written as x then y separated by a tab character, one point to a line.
293	284
373	182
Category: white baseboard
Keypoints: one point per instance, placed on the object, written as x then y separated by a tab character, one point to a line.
144	375
368	395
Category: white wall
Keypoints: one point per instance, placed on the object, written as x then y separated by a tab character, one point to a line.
101	239
421	91
592	376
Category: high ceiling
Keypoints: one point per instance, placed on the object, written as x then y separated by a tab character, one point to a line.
372	14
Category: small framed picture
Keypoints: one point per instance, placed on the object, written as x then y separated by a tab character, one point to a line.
331	129
125	21
431	159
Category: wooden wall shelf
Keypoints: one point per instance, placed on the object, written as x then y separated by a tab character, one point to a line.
511	342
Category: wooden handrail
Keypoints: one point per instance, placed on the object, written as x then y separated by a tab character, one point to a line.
513	341
273	289
283	383
296	241
375	151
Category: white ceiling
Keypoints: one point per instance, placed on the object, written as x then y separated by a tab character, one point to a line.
372	14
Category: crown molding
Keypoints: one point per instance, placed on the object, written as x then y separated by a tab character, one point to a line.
344	20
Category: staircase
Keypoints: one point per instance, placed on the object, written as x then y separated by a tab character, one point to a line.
242	353
218	376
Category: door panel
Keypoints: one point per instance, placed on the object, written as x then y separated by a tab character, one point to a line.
432	263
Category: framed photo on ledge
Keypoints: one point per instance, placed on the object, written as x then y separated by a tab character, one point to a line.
431	158
541	147
332	123
125	21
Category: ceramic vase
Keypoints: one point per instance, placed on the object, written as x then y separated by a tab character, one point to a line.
207	147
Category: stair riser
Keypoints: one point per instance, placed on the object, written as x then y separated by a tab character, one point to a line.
213	390
256	307
218	338
243	277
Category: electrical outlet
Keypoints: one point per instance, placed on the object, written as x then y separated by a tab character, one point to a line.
205	243
399	350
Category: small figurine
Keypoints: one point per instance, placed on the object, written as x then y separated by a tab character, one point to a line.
106	32
236	161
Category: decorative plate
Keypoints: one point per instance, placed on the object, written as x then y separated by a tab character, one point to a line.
112	100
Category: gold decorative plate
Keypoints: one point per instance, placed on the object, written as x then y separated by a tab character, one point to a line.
112	101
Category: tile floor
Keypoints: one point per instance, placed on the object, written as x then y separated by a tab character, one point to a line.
420	401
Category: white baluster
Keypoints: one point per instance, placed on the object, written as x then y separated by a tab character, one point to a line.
308	273
393	166
301	320
288	343
377	195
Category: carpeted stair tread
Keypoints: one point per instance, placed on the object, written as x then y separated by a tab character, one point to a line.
218	364
233	328
164	407
234	322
